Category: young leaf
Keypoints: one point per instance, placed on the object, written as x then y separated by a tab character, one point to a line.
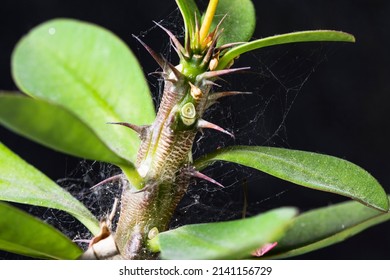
295	37
26	235
90	72
326	226
54	127
225	240
237	26
316	171
22	183
189	10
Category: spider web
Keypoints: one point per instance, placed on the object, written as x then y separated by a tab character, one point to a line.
276	78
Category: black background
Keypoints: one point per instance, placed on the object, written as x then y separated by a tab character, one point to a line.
342	110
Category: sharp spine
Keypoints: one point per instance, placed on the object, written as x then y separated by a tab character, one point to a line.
177	45
217	73
205	124
197	174
141	130
211	83
158	58
210	51
108	180
161	61
229	45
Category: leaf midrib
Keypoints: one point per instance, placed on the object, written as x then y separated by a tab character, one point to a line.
79	79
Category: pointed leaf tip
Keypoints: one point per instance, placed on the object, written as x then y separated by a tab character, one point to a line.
316	171
288	38
326	226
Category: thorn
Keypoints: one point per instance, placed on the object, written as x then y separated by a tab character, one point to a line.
176	72
205	124
158	58
211	48
217	73
110	179
199	175
210	51
214	36
219	23
140	129
161	61
216	95
111	216
178	46
229	45
207	57
163	75
211	83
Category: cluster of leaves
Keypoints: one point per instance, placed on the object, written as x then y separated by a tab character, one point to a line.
77	76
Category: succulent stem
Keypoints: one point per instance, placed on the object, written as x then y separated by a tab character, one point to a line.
164	162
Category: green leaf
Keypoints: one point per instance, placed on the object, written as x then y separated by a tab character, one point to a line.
26	235
225	240
189	10
295	37
237	26
326	226
22	183
316	171
90	72
55	127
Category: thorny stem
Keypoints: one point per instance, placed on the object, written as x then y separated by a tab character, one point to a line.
143	211
164	161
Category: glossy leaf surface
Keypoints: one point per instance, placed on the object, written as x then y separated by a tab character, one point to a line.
294	37
54	127
237	26
316	171
22	183
326	226
90	72
24	234
225	240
